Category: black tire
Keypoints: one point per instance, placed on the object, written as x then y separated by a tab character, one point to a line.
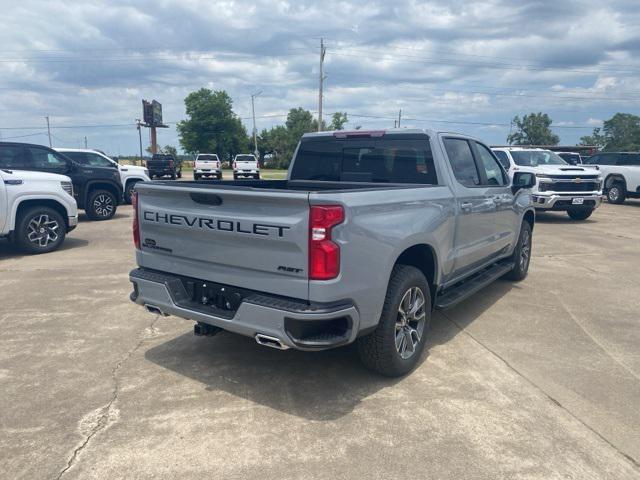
378	350
129	190
180	174
616	193
173	175
101	205
521	255
235	177
196	176
257	176
39	230
579	213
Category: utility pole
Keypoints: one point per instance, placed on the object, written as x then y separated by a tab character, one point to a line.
139	126
48	130
323	50
85	141
399	117
255	131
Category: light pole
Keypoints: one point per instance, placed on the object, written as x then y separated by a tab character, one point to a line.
139	125
255	131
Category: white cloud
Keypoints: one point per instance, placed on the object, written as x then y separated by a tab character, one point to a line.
91	62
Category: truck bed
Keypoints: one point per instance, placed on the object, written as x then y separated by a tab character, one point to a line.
291	185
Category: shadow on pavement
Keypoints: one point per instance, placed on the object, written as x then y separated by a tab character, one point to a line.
313	385
7	250
559	217
82	217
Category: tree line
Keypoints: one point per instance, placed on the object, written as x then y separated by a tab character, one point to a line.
212	126
619	133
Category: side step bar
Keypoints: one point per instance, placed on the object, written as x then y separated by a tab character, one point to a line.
454	295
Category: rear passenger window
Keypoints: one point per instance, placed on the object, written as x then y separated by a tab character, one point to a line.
493	173
462	163
11	157
365	160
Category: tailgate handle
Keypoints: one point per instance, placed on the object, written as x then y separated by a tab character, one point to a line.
206	198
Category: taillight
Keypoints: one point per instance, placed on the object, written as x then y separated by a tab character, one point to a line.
218	164
136	224
234	165
171	163
324	254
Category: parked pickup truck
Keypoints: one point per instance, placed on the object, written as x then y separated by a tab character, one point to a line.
560	187
37	209
163	164
207	165
367	235
621	172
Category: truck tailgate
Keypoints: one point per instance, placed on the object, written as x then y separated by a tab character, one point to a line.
257	239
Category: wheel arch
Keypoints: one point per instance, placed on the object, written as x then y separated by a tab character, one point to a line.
613	178
102	185
36	202
424	258
529	217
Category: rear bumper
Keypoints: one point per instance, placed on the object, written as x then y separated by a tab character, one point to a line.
564	202
297	324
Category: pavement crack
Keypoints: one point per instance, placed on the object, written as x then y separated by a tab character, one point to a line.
105	412
631	459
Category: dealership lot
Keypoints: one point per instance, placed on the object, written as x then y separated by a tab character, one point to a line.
533	380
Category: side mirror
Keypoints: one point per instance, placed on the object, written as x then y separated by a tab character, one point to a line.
522	180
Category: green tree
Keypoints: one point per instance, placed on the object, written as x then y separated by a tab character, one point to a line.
169	149
281	141
620	133
211	125
533	129
597	139
338	121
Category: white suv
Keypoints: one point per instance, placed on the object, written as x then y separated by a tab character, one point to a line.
559	186
37	209
245	166
129	174
207	165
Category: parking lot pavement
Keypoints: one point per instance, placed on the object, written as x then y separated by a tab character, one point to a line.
536	380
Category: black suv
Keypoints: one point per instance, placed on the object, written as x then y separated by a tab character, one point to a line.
98	190
162	164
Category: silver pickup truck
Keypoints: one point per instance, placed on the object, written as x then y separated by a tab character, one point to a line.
368	234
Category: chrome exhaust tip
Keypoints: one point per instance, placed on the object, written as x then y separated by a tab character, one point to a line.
272	342
154	310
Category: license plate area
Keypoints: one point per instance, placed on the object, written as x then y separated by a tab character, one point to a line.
577	201
207	297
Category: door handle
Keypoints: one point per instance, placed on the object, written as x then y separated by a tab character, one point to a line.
466	206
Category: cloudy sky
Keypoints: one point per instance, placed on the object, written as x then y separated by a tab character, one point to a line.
457	64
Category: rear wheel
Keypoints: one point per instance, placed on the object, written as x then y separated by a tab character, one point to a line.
196	176
521	254
616	193
579	213
395	347
180	174
101	205
129	191
39	230
235	177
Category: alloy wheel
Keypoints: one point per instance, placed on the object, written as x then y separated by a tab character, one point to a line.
410	322
103	205
42	230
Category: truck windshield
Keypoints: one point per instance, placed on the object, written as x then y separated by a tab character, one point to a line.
245	158
207	157
535	158
365	160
